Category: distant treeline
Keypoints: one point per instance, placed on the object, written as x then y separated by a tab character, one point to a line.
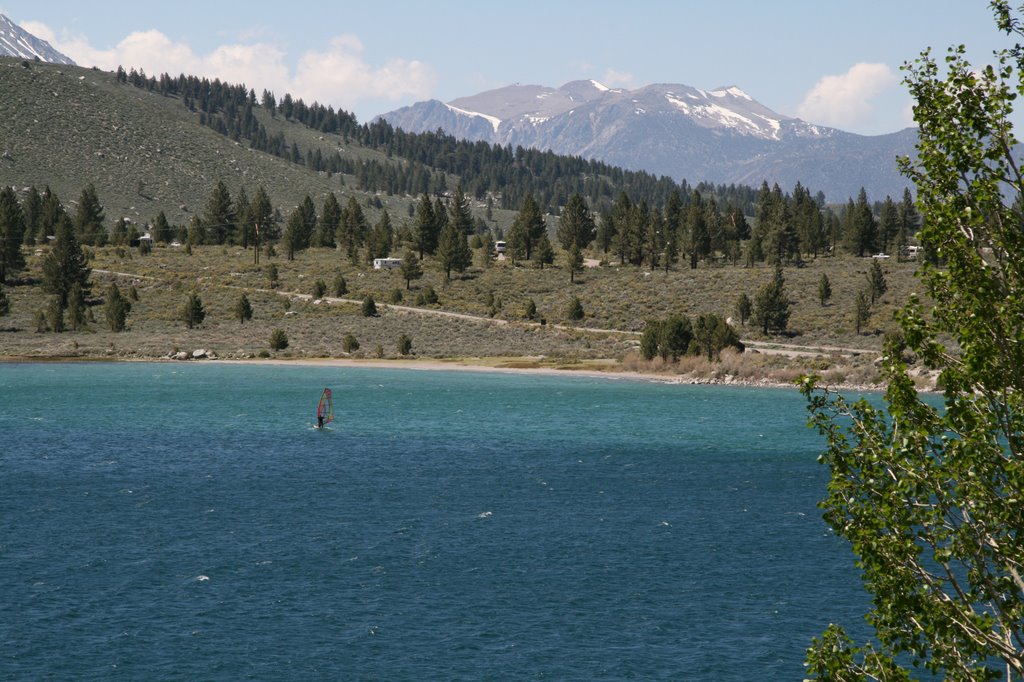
421	162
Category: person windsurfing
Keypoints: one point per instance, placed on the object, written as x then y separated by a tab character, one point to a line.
324	409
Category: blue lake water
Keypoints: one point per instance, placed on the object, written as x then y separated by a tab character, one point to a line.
184	521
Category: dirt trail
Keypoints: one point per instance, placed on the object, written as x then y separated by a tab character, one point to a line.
768	347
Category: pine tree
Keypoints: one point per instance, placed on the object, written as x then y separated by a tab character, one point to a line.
888	225
245	228
527	227
545	253
32	208
711	334
330	221
116	308
65	265
410	268
89	218
459	213
425	232
909	220
453	250
574	260
12	234
824	289
771	305
119	233
353	229
624	218
261	212
219	216
192	312
487	252
743	308
576	224
52	213
697	237
860	226
161	229
55	315
76	308
243	309
862	309
294	234
381	238
876	281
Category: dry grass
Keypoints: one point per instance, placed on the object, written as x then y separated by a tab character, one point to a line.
617	301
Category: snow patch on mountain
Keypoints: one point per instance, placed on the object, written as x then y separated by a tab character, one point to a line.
17	42
744	122
493	120
731	90
720	135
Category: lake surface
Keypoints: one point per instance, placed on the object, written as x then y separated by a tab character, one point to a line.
185	521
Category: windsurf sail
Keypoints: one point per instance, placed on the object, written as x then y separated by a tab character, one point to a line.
325	409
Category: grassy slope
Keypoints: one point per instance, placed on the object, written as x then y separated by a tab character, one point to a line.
613	298
67	126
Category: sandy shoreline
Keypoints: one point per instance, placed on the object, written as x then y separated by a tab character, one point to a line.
496	366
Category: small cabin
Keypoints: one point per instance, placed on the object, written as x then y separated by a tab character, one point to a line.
499	247
386	263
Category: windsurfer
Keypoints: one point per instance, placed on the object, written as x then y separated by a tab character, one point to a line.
319	421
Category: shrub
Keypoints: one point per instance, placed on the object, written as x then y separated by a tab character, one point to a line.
404	345
395	296
340	286
349	344
369	307
278	340
319	289
575	310
530	309
427	296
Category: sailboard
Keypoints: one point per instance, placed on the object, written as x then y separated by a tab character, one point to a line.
325	409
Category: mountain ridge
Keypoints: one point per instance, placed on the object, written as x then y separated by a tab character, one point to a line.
721	136
17	42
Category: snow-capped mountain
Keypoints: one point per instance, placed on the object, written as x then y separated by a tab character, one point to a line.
721	136
17	42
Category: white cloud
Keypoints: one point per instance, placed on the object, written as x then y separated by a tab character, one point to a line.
337	75
847	100
340	75
617	79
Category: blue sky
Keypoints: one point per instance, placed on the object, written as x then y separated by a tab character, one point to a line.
831	62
